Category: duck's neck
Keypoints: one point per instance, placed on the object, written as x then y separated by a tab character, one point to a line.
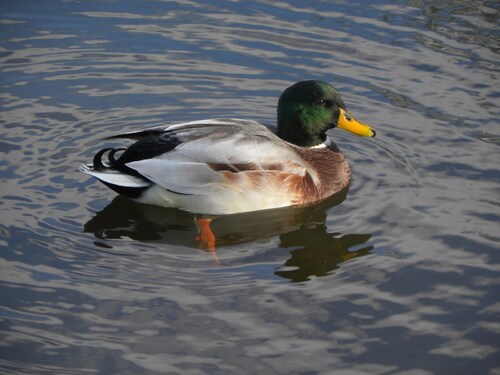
293	131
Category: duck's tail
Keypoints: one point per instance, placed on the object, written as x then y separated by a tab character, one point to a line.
118	179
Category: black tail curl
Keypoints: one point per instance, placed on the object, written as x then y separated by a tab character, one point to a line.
113	163
99	165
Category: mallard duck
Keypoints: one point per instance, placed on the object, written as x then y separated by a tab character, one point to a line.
227	166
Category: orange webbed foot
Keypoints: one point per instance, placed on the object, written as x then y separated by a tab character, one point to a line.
206	237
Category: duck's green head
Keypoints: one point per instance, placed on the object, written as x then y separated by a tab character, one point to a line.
308	109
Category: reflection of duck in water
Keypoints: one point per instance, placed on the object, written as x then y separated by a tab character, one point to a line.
302	230
229	166
315	252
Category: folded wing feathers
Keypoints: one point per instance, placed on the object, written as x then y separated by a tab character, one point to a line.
180	176
138	134
187	167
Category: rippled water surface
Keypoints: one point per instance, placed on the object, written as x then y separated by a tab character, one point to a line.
401	275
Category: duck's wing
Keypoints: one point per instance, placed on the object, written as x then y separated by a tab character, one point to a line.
187	158
157	130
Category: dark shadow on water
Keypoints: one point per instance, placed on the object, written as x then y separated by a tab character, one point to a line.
313	250
320	252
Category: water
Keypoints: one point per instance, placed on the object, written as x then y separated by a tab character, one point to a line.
399	276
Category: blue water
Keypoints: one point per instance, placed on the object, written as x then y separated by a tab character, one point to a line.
398	276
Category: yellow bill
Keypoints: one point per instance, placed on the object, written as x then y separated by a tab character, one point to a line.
349	123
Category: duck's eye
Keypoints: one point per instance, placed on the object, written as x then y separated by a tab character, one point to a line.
320	103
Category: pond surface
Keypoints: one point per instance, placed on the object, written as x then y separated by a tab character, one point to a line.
400	275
